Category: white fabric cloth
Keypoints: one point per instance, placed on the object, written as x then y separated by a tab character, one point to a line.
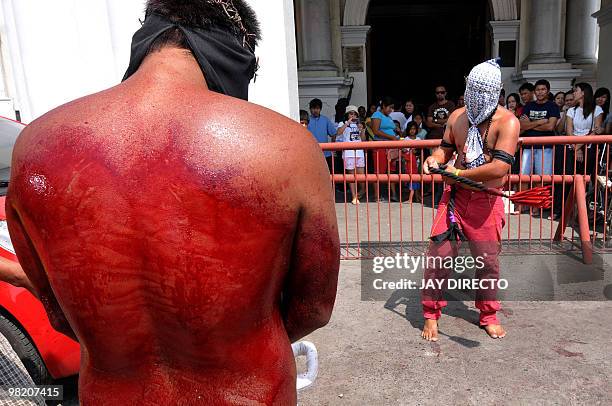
481	98
408	120
399	116
583	126
350	134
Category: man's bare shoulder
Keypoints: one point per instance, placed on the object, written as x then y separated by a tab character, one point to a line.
505	114
506	119
264	121
46	129
457	114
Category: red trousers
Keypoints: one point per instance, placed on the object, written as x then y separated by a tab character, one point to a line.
481	218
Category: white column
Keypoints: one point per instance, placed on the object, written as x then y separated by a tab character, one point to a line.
506	31
604	20
276	86
314	36
582	31
54	52
354	39
546	37
546	41
317	73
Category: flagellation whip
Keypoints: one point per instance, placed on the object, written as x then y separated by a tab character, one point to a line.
539	197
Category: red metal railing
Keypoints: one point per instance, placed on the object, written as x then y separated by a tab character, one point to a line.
582	192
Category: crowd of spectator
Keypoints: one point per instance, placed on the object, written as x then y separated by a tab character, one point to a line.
577	112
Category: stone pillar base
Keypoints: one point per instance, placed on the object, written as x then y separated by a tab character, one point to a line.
560	76
589	73
327	88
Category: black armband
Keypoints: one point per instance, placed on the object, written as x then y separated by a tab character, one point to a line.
503	156
445	144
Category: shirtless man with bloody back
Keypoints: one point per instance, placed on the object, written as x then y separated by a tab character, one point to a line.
183	236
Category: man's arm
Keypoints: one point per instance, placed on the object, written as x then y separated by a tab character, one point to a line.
309	292
526	124
11	272
442	155
548	126
432	124
29	259
27	245
331	130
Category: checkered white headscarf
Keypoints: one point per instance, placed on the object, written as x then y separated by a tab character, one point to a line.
481	98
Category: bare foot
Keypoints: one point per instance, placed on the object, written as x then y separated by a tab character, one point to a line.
430	330
495	331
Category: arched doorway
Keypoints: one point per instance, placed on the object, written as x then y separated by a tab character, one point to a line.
415	45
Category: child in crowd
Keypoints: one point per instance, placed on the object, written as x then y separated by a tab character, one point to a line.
395	160
304	118
354	162
411	158
422	132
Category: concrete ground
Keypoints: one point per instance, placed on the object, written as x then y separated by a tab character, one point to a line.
411	223
555	353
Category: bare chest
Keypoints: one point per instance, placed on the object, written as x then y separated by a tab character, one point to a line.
488	135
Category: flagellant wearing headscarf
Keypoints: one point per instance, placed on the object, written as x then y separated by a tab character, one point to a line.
484	137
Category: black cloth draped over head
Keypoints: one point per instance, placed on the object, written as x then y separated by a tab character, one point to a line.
228	66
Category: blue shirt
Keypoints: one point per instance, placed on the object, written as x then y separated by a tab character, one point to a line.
321	127
386	125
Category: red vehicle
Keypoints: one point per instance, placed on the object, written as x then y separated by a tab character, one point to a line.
49	356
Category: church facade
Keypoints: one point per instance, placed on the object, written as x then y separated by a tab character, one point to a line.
559	40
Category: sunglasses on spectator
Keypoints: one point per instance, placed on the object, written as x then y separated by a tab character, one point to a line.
441	92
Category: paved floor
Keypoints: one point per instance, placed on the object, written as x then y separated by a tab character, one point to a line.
411	223
557	353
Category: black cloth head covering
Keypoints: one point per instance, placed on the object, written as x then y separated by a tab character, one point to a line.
228	66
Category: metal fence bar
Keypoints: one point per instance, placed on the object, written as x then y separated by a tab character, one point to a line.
590	200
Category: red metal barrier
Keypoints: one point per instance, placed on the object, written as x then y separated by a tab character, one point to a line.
374	227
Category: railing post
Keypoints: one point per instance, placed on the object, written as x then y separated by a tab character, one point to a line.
568	211
583	220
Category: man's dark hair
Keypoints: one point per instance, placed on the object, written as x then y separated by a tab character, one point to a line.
340	108
235	16
503	92
315	103
543	82
527	86
304	115
387	101
601	92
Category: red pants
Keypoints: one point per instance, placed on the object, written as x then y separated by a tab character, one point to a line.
481	218
381	162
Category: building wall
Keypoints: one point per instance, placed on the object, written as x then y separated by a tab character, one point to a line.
560	73
604	71
61	50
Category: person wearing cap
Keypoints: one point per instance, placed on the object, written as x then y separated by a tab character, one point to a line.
354	162
484	136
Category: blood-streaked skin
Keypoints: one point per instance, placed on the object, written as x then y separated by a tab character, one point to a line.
164	224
